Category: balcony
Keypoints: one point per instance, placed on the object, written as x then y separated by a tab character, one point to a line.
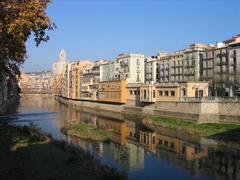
123	63
138	79
177	74
232	63
189	66
232	72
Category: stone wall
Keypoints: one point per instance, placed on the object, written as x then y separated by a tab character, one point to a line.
92	105
199	111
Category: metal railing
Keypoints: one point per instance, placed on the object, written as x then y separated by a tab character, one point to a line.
210	98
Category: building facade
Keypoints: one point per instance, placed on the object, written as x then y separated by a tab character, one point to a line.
129	67
221	67
38	83
59	66
112	91
184	65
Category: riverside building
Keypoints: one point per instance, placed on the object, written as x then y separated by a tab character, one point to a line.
129	67
199	70
221	66
112	91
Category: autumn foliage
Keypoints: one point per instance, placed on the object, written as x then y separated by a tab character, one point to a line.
18	20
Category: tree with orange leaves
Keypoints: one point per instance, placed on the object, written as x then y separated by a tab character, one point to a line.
18	20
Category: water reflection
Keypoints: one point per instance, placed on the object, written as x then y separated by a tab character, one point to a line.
143	151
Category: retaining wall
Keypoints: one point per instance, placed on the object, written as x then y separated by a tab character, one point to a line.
199	112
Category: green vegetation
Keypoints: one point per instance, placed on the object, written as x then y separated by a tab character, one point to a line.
26	154
218	131
87	131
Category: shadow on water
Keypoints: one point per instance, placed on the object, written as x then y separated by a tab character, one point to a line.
14	115
232	135
29	158
24	118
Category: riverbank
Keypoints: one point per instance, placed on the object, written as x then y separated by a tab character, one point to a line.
218	131
11	102
223	132
27	154
226	112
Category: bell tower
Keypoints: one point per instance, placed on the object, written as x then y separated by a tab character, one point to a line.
63	55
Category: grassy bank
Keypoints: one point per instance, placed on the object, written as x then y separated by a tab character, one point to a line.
26	154
87	131
217	131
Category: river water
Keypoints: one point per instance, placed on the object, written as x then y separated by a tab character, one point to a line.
141	151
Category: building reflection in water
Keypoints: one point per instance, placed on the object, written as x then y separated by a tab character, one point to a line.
132	139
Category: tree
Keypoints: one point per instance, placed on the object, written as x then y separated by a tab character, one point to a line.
18	20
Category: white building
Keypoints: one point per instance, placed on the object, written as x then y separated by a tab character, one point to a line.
59	66
65	81
86	82
129	67
107	71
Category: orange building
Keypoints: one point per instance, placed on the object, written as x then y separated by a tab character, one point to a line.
112	91
119	129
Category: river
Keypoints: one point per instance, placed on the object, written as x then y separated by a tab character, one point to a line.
142	152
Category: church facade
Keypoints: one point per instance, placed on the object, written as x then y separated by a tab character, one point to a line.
58	66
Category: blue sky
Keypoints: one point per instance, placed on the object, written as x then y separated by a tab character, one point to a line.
97	29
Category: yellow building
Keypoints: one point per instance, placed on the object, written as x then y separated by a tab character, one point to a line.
167	92
177	92
148	93
112	91
164	92
118	127
133	94
194	89
74	79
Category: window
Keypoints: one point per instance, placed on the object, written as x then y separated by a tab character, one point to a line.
138	61
172	145
138	78
160	93
135	93
165	143
131	92
153	93
153	139
160	142
166	93
184	92
172	93
200	94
